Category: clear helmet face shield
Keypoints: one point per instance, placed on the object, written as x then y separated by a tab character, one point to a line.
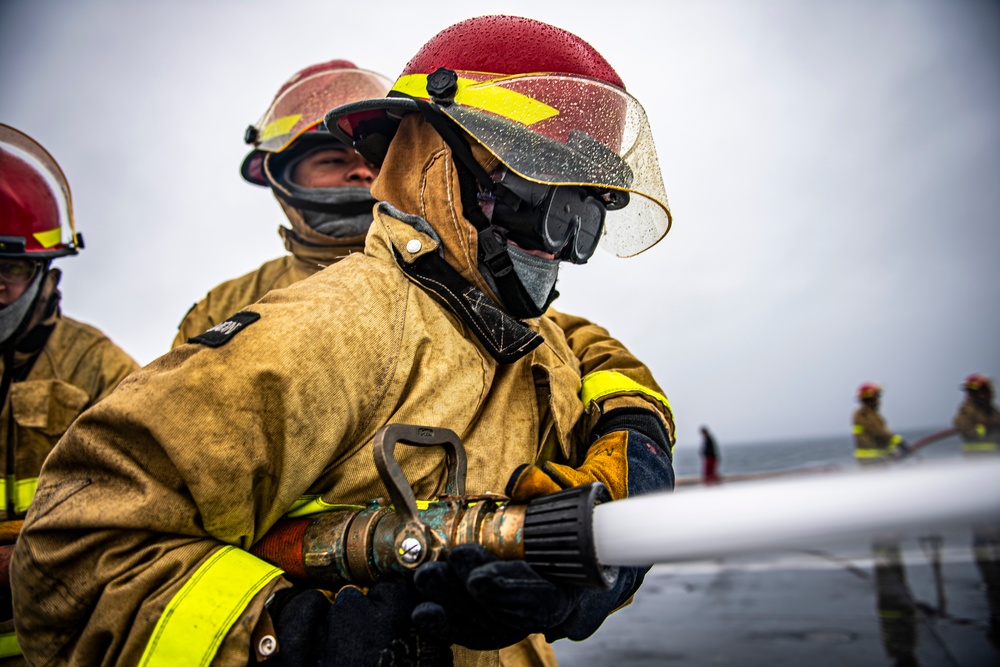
301	107
566	130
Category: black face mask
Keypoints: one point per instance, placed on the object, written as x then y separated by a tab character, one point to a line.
565	220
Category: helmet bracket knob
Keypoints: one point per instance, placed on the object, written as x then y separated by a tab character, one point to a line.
442	84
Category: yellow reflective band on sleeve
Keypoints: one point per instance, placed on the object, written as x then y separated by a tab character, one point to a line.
24	491
980	447
865	453
896	439
488	96
858	429
8	645
50	238
279	126
197	619
981	430
602	383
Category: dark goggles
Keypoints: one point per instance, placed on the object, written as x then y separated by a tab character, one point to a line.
18	271
565	220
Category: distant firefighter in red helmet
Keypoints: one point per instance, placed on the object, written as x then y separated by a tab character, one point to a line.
978	418
874	443
506	147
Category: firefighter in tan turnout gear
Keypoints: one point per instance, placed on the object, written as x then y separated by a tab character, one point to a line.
322	185
503	151
978	418
874	443
54	367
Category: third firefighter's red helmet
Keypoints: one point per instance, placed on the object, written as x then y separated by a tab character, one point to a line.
540	99
299	105
869	390
36	212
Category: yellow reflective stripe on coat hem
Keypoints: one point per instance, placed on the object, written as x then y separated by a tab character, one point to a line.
604	383
24	492
196	620
9	647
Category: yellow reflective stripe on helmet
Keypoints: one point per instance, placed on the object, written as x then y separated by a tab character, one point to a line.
8	645
24	491
858	429
198	617
487	96
866	453
312	505
50	238
980	447
279	126
603	383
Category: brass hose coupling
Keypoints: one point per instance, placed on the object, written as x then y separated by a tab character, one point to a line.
390	539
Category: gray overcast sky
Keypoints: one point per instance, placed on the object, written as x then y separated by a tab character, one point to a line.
833	168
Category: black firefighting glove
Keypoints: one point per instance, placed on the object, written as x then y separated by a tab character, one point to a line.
483	603
629	454
355	630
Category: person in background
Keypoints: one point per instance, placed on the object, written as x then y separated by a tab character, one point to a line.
978	418
321	184
709	458
874	443
507	147
978	422
54	367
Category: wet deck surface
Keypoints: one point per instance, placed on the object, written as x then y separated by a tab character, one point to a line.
814	608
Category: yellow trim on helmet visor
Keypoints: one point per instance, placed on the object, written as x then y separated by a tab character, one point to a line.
50	238
197	619
279	126
506	103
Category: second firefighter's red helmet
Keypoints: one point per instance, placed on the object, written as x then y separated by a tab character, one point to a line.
869	390
299	106
36	211
540	99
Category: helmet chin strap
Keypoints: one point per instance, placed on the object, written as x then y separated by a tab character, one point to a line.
495	262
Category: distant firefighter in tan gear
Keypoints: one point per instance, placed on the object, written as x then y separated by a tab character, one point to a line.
978	422
978	418
873	441
54	367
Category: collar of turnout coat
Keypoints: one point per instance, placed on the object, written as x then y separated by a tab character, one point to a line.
417	250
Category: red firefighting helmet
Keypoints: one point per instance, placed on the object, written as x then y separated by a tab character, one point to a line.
36	211
977	382
540	99
299	105
869	390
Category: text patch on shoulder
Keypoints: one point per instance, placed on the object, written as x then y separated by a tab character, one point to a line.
223	332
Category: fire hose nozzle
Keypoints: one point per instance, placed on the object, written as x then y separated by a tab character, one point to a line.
389	540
